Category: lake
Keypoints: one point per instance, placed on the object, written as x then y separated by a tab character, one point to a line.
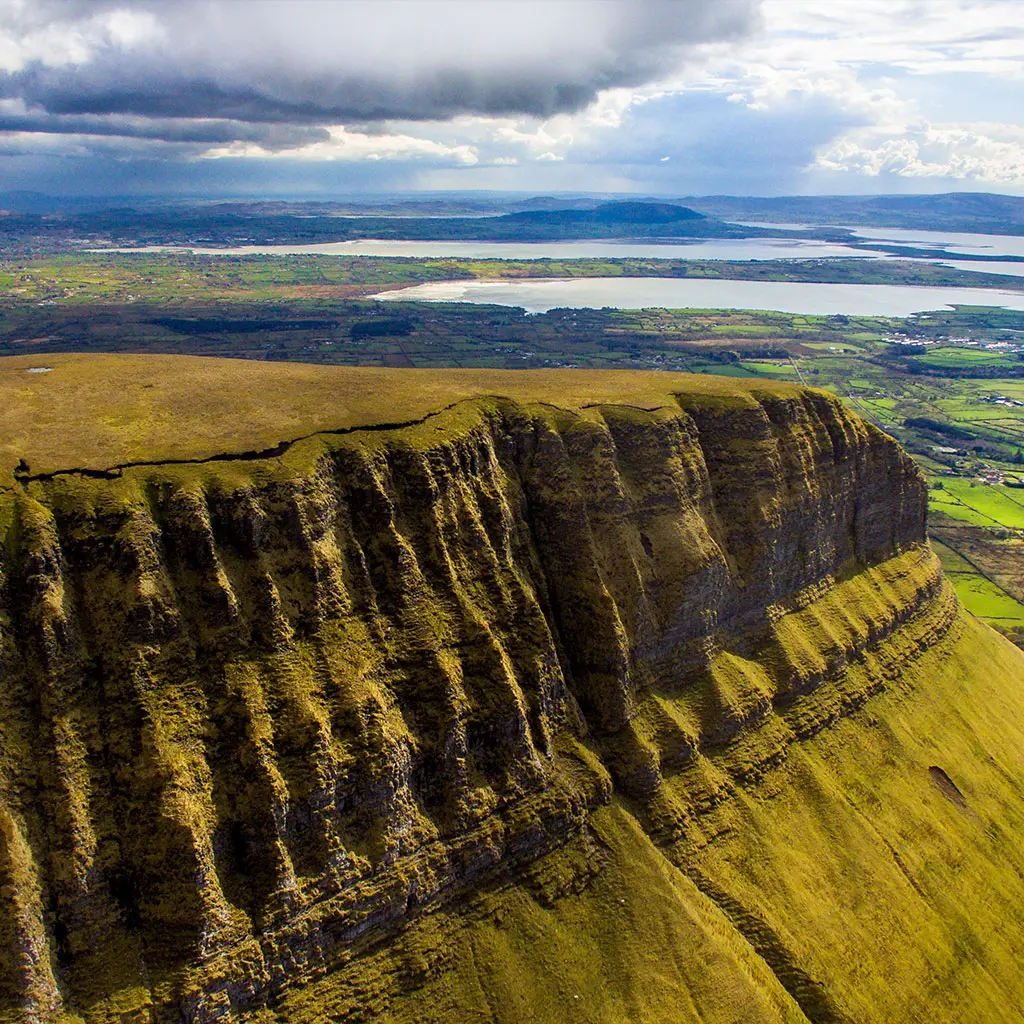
739	249
538	296
703	249
952	241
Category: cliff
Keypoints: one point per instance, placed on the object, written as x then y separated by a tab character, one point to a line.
488	696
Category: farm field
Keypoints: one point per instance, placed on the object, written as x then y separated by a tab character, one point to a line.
776	369
981	596
987	581
979	504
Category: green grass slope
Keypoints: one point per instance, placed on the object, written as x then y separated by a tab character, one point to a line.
606	930
884	853
879	869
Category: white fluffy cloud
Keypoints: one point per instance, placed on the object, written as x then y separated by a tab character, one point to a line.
890	71
341	144
962	152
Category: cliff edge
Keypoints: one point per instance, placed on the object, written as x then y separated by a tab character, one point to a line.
344	695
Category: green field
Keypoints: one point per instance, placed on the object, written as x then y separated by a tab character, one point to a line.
957	356
979	504
980	595
773	369
984	599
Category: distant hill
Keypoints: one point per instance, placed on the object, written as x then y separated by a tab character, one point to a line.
266	224
538	219
610	213
981	212
608	220
494	216
24	201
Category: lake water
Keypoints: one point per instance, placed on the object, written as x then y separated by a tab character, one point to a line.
995	267
632	293
706	249
538	296
951	241
739	249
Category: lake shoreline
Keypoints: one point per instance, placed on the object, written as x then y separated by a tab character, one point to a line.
540	295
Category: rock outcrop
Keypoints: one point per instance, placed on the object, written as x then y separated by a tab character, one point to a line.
260	717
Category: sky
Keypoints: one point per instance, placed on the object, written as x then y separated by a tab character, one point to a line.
293	98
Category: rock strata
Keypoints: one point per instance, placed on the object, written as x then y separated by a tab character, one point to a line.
260	716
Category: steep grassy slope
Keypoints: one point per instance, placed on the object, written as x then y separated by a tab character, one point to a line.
854	869
646	701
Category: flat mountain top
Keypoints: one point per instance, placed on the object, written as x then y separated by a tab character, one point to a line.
612	213
97	412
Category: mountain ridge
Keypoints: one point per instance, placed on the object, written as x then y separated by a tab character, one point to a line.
548	703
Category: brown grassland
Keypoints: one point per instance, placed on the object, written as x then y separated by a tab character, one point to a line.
97	412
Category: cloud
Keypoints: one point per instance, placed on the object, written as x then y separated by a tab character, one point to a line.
339	144
925	91
976	152
332	62
16	118
649	95
919	36
715	144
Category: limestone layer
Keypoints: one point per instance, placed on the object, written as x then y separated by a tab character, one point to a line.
257	717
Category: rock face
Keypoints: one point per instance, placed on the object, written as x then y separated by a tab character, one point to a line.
258	717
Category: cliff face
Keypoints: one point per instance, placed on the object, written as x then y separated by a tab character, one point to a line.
259	717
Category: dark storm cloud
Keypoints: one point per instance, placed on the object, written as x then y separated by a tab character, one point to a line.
75	67
209	132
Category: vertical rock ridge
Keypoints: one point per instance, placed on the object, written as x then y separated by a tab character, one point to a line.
27	981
